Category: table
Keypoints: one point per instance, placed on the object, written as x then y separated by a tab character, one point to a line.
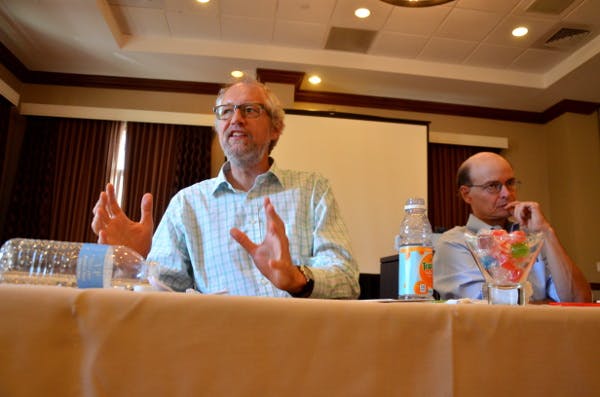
69	342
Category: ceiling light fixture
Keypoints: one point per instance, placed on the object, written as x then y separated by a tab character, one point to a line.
416	3
362	12
237	74
520	31
314	79
203	1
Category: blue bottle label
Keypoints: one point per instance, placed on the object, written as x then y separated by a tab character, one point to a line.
94	266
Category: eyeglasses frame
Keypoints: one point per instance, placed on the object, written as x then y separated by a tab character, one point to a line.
496	187
241	106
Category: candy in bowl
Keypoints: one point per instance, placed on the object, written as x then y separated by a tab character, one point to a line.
505	260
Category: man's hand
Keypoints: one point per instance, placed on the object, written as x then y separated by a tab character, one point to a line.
529	215
571	285
272	256
112	226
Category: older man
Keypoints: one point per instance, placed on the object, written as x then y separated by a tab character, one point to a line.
486	182
224	234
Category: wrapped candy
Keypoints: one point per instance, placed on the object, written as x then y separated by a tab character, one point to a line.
504	256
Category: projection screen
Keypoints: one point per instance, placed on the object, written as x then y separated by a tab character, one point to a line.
373	165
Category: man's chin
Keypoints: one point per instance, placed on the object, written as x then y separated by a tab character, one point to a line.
502	213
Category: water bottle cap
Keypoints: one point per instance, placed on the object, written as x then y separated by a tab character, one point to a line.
414	203
414	206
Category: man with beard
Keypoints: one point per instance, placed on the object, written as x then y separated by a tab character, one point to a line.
486	182
255	229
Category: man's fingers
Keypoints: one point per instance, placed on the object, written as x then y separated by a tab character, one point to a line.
100	220
273	217
243	240
102	239
113	205
146	209
97	225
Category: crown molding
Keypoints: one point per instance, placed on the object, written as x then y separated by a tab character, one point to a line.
21	72
280	76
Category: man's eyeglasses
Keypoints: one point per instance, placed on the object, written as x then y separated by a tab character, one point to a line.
495	187
249	110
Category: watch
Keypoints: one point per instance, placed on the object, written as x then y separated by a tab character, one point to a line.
310	283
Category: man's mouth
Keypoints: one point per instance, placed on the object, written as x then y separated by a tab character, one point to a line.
237	134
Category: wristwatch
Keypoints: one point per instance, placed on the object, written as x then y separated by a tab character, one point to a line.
310	283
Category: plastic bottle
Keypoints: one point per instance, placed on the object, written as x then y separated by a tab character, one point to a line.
71	264
415	253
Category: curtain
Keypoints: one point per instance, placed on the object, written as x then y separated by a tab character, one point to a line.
446	207
5	107
162	159
62	169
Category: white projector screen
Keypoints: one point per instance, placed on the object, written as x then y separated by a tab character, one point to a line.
373	166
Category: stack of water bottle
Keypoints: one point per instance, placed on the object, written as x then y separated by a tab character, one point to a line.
71	264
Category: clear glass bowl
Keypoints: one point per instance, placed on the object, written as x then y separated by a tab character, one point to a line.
505	260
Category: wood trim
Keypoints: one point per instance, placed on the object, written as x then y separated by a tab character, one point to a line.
410	105
16	67
132	83
354	116
12	63
569	105
280	76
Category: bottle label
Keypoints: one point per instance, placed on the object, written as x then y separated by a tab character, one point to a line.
415	273
94	266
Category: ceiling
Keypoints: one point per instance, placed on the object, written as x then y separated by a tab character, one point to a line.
461	52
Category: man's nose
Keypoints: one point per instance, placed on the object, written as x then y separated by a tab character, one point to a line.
238	116
505	191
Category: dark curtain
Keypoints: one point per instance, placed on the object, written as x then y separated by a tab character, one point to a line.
446	207
62	168
5	107
162	159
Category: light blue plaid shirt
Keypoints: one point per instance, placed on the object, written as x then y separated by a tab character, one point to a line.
193	246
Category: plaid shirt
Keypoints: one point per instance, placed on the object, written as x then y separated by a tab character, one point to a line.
193	247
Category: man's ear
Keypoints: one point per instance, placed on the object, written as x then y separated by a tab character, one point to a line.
275	133
464	192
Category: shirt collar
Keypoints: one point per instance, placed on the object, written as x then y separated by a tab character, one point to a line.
475	224
221	182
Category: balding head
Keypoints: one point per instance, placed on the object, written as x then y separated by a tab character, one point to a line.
486	160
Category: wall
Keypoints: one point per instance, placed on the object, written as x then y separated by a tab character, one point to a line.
558	161
573	169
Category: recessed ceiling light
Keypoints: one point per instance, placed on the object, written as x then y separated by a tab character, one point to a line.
362	12
314	79
520	31
237	74
203	1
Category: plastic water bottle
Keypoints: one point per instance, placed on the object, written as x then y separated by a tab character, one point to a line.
71	264
415	253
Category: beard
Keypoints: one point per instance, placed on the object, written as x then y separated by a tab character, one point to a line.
245	155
